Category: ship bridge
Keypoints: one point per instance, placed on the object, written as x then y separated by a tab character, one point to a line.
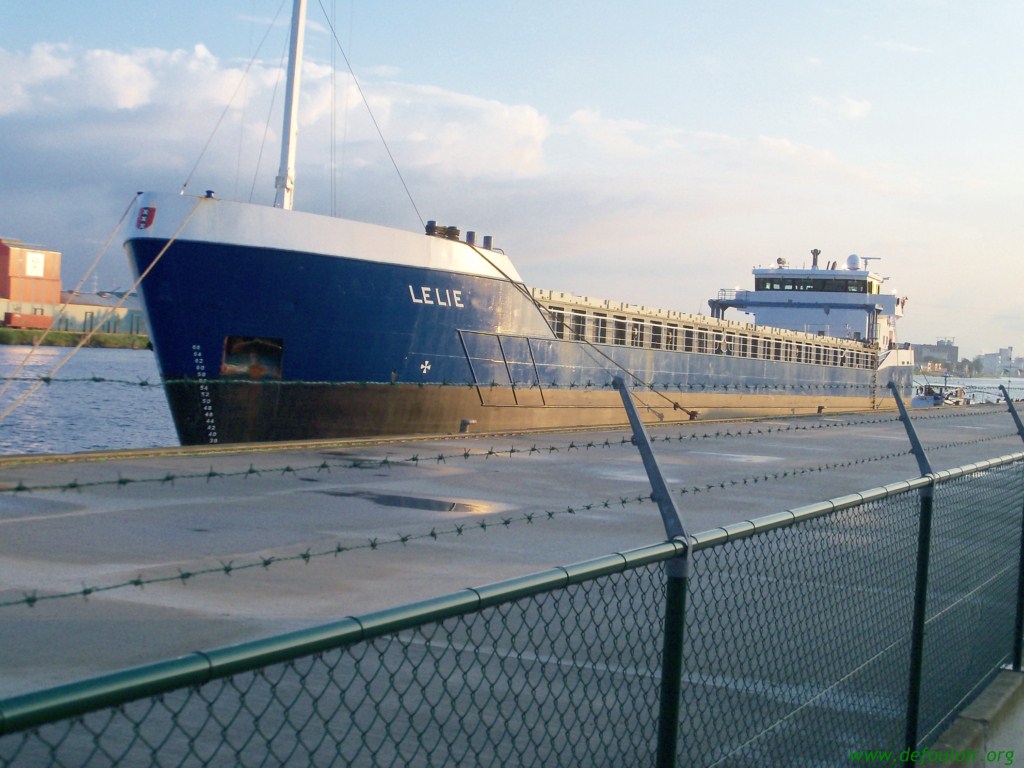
830	301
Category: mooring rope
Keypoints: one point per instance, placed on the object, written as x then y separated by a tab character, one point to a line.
88	336
373	118
88	272
544	315
227	107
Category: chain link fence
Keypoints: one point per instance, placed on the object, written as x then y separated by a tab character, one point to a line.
797	649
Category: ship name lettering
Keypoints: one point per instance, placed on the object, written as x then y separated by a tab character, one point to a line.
441	297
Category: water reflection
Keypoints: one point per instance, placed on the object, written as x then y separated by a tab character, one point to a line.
75	412
413	502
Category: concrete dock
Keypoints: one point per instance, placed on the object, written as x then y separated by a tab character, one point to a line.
114	560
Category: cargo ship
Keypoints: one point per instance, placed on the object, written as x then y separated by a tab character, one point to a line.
272	324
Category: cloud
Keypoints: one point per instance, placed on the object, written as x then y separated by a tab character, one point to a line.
616	139
592	203
843	107
22	76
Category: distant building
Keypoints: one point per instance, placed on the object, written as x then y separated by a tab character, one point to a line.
31	296
29	284
96	312
999	363
941	356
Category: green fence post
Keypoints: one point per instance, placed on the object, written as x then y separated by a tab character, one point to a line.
924	539
677	576
672	666
1018	625
924	533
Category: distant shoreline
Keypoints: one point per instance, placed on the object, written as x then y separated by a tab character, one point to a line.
21	336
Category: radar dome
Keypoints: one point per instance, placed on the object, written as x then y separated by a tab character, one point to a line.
853	261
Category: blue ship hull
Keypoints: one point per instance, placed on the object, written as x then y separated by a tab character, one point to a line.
259	343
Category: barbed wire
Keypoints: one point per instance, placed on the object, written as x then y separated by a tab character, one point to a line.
483	525
82	379
308	555
800	472
759	429
589	384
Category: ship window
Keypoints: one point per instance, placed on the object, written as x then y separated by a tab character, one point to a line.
702	340
620	331
819	284
600	329
730	343
687	339
558	321
777	351
788	351
744	346
817	354
671	337
636	333
578	321
655	334
252	357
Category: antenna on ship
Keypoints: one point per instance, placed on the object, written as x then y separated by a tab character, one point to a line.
285	182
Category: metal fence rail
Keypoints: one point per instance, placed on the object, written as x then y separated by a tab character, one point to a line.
797	648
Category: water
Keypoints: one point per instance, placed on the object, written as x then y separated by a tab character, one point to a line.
979	390
76	413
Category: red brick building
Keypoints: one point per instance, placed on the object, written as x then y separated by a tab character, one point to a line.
30	297
30	283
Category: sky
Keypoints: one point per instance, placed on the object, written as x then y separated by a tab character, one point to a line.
652	152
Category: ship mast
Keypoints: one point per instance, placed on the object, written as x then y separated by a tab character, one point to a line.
285	181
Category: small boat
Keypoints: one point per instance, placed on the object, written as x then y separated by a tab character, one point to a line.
933	396
271	324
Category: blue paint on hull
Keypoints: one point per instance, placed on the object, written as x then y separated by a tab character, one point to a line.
377	348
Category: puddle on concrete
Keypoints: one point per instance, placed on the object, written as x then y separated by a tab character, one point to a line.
413	502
